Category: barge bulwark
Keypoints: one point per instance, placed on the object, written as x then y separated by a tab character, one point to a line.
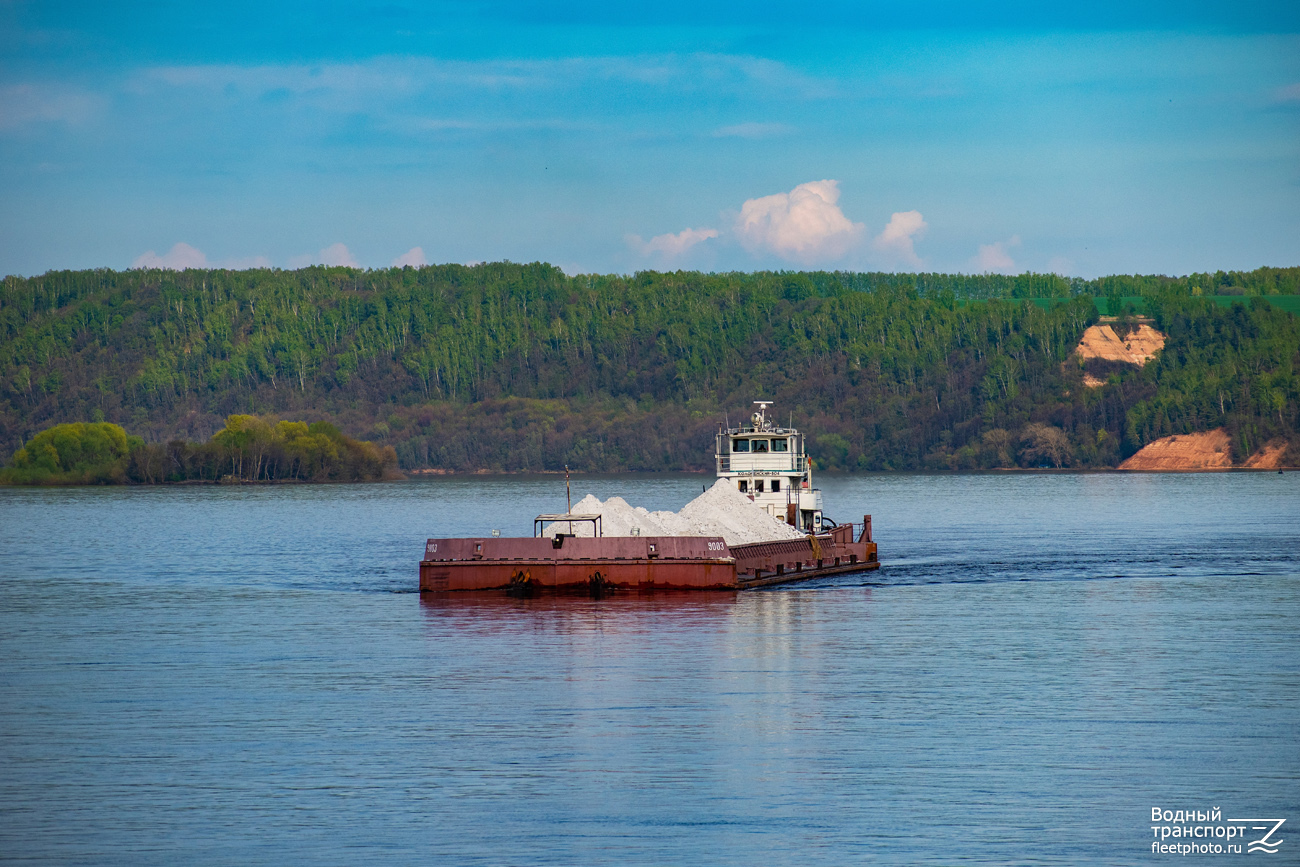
641	563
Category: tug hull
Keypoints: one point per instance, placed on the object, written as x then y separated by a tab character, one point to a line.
641	563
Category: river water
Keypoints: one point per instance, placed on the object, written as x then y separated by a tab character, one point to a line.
211	675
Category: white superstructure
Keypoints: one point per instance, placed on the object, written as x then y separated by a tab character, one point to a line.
769	464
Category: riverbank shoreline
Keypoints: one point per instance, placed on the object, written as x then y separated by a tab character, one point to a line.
428	476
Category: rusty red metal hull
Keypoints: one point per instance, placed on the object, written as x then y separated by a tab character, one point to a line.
763	564
642	563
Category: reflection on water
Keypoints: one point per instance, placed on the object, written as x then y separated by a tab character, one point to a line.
227	675
575	611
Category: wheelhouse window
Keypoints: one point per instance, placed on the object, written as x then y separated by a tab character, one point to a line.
758	486
744	486
780	446
740	446
760	445
776	486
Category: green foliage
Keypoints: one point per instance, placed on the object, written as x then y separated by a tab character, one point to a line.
1262	281
505	366
247	449
71	454
256	449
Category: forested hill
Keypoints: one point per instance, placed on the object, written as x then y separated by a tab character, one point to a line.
518	367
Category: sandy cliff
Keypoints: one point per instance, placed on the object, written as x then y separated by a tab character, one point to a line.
1267	458
1211	450
1101	341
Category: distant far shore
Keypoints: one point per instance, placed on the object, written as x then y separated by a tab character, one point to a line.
433	474
262	373
438	473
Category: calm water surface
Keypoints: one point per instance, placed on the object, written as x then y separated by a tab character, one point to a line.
240	676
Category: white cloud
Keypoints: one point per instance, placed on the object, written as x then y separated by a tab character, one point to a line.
413	257
338	254
25	104
803	225
670	245
994	257
182	256
753	130
334	254
897	240
384	81
178	258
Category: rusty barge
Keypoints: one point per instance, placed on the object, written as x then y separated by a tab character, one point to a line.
641	563
766	463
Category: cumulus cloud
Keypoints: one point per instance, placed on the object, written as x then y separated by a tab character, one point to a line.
413	257
804	225
334	254
178	258
897	240
994	257
338	254
669	245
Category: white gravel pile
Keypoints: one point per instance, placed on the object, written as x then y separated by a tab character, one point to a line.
724	511
720	511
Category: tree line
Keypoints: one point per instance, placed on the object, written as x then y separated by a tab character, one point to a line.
505	366
246	449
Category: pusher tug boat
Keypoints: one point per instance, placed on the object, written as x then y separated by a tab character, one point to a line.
765	463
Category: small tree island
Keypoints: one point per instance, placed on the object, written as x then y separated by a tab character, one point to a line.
249	449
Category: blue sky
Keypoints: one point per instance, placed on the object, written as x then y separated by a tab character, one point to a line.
1086	139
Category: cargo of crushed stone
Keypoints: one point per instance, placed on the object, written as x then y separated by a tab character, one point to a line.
720	511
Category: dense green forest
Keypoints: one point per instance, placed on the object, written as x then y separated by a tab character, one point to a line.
518	367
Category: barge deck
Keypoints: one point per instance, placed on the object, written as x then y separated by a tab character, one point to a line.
601	565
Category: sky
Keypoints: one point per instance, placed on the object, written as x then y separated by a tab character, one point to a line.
1078	138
